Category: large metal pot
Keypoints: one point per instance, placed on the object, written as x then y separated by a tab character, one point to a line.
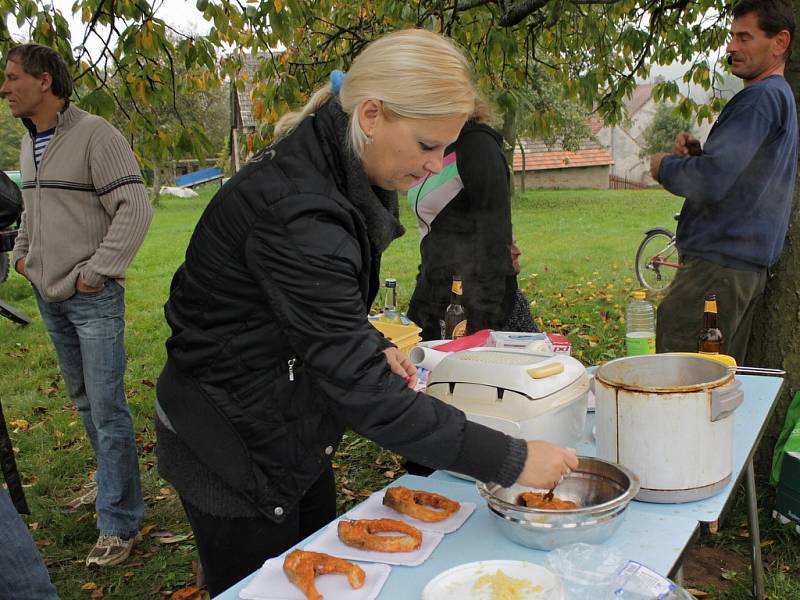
668	418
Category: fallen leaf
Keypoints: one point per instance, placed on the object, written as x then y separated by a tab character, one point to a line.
389	474
89	585
42	543
190	592
147	529
158	533
148	383
697	593
174	539
98	593
19	425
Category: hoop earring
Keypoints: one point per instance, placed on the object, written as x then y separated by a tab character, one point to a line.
369	139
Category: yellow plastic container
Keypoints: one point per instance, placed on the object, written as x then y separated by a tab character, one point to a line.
725	359
404	337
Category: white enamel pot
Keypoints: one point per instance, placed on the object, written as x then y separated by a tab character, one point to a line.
669	419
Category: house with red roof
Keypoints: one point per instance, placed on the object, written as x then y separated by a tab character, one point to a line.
538	166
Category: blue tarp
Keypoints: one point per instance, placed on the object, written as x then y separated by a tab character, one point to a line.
198	177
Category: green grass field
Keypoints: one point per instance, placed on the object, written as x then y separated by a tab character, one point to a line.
577	269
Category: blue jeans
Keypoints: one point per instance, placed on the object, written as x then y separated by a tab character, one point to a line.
88	332
23	575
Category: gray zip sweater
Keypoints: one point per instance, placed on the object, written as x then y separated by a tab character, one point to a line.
86	209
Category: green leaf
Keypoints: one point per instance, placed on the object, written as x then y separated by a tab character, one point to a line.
98	102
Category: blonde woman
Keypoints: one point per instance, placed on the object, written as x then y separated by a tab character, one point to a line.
271	357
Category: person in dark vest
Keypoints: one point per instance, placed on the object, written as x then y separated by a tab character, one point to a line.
271	356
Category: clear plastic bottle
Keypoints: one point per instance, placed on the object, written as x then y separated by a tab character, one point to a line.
390	312
640	326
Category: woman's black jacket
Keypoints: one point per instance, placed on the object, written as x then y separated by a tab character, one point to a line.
271	355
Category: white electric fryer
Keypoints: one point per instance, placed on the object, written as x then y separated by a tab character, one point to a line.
534	396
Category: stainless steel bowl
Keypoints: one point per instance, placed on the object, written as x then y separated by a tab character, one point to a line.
601	489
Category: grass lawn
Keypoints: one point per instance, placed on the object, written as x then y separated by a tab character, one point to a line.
577	269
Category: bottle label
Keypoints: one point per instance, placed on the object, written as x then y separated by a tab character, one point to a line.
640	342
460	330
710	306
456	287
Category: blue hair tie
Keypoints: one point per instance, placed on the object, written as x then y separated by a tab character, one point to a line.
337	77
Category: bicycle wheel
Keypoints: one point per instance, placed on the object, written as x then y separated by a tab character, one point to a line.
656	249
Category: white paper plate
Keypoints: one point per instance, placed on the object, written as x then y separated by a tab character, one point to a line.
459	582
373	508
271	583
328	542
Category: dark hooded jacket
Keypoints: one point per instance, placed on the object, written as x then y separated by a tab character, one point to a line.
271	356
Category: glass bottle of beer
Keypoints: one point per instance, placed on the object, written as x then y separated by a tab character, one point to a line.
455	320
710	341
390	312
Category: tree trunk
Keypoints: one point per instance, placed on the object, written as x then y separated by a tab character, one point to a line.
509	132
775	341
524	165
155	192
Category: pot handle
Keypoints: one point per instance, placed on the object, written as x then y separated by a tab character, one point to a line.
725	400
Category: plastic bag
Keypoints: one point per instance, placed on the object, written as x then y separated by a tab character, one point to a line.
637	582
587	571
789	439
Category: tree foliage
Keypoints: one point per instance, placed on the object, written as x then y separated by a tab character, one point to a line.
592	50
11	132
142	70
659	135
588	51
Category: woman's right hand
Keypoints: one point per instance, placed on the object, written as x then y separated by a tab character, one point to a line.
546	465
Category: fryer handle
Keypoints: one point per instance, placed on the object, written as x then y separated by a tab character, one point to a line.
725	399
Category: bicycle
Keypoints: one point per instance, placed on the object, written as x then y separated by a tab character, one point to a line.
657	259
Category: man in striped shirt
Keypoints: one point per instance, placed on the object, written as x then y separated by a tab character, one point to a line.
86	213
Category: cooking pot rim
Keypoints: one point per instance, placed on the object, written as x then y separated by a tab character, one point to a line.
725	374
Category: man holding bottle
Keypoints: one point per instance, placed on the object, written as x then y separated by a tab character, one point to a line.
739	188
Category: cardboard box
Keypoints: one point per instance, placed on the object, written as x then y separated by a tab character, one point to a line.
516	339
560	343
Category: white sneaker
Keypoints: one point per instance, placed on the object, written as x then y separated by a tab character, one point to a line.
111	550
87	498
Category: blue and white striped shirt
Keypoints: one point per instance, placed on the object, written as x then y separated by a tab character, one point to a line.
40	143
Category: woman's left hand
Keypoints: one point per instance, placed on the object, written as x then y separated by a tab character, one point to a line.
401	365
